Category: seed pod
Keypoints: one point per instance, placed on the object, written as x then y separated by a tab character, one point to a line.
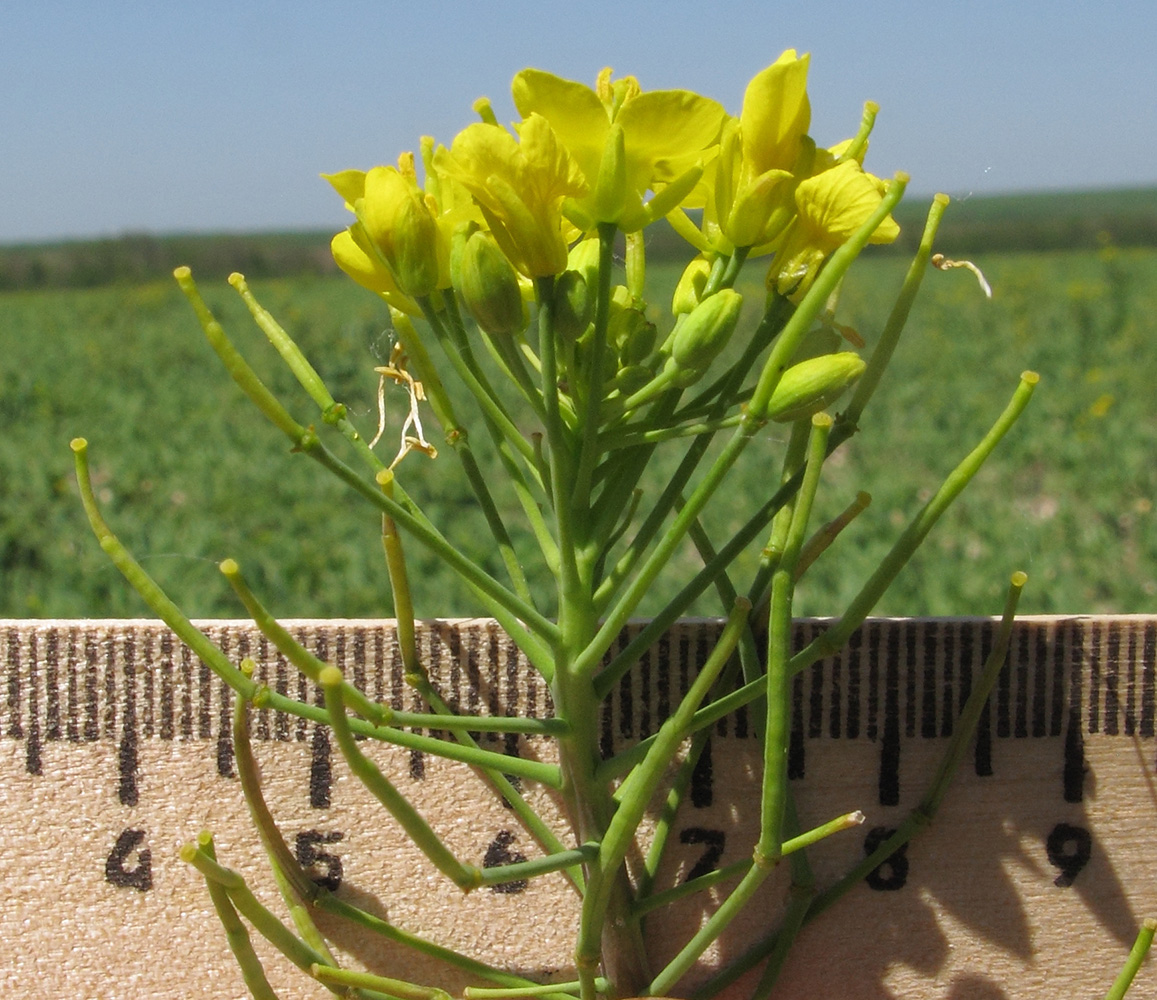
706	331
812	385
489	286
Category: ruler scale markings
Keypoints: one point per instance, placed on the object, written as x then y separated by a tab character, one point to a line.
167	669
358	654
815	722
73	711
872	648
1093	660
1004	695
946	649
1112	679
1131	685
986	634
1059	675
127	791
741	716
1073	774
855	686
889	780
1042	681
1148	656
930	658
663	676
268	653
33	758
51	691
436	658
1019	660
148	715
835	696
908	631
966	652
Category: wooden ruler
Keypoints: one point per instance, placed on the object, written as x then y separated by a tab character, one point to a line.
115	749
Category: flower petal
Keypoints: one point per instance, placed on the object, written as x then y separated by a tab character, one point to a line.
776	113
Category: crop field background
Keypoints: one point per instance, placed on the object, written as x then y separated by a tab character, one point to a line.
189	473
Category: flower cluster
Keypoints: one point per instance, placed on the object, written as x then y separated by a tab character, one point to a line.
502	209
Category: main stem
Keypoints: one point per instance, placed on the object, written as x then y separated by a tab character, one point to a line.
616	945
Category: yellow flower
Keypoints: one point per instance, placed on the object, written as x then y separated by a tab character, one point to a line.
626	142
745	192
399	220
831	206
760	150
519	185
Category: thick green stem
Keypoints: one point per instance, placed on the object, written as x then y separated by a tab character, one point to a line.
1132	964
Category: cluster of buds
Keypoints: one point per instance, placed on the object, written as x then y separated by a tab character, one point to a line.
508	217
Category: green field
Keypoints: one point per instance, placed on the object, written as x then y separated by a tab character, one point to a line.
189	474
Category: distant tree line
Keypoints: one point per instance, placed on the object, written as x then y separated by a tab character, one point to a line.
973	225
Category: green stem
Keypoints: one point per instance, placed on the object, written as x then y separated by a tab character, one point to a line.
919	817
638	788
897	318
519	870
591	445
777	732
1132	964
376	925
394	989
791	846
289	647
466	877
236	934
144	584
234	363
241	897
835	637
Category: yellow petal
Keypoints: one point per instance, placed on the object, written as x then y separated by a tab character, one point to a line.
349	184
834	204
666	131
776	113
574	111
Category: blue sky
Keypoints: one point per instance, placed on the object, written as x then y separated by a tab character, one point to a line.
131	116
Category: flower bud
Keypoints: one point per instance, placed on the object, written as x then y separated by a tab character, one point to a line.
812	385
401	223
706	330
574	306
689	290
489	286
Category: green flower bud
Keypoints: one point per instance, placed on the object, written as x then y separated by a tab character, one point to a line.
574	306
690	288
640	342
632	378
706	330
488	285
812	385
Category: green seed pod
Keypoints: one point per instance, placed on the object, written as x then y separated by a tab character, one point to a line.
812	385
706	330
489	286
